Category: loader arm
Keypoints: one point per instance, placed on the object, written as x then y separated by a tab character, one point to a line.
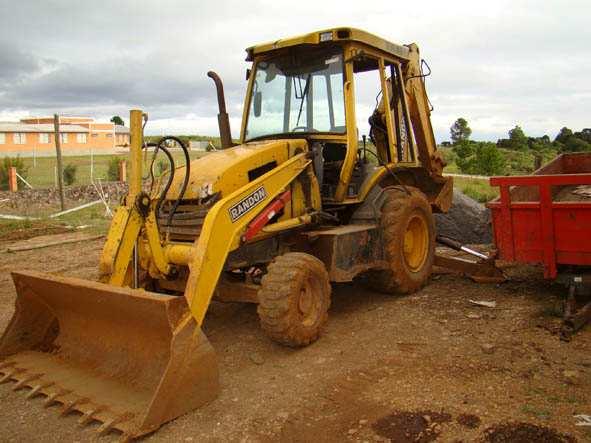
221	232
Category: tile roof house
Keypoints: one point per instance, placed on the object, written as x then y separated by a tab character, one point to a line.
35	136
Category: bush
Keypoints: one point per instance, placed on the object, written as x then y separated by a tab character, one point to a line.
70	174
8	162
113	169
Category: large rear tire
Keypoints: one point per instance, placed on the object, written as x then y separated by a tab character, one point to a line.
294	299
408	232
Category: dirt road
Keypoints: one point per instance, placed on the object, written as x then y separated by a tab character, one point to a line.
425	367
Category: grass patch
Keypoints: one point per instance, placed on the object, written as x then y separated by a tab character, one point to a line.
42	171
478	189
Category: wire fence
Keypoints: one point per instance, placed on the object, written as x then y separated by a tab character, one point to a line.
41	172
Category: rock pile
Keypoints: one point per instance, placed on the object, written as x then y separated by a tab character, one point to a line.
28	198
468	221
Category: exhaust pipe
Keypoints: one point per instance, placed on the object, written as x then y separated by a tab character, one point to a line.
223	119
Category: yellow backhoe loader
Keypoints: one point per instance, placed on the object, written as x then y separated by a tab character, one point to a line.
297	204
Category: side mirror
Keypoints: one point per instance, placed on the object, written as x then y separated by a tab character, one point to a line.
257	103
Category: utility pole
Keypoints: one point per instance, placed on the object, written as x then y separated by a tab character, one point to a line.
58	151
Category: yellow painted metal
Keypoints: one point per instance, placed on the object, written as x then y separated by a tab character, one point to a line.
246	106
416	243
419	110
345	34
179	254
135	154
127	222
387	112
377	175
118	248
158	256
226	170
289	224
219	235
351	124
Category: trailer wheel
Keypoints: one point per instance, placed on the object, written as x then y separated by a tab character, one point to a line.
294	299
409	242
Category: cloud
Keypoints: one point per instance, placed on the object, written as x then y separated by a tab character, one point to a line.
497	64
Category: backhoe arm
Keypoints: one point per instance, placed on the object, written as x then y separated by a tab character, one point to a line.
420	113
223	226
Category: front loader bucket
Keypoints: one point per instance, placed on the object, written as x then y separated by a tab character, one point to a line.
127	358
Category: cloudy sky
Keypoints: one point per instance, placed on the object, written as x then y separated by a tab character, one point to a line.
497	64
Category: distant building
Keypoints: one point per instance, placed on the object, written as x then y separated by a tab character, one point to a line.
35	136
201	145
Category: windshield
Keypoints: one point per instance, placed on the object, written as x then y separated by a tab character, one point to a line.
297	93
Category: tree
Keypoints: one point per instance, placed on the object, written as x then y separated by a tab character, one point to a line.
479	158
563	135
464	151
488	159
117	120
460	131
517	139
585	135
575	144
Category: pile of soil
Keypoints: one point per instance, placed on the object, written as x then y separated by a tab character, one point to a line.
407	427
574	193
467	221
525	433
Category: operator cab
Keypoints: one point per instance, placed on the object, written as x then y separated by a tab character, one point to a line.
303	90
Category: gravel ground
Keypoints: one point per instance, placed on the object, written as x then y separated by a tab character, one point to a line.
424	367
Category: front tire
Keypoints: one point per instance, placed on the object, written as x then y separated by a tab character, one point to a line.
408	232
294	299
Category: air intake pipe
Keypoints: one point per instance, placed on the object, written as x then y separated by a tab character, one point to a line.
223	119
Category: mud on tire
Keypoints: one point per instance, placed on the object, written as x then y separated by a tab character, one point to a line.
405	219
294	299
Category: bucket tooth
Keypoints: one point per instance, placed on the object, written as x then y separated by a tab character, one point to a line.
69	406
109	424
10	374
105	427
52	398
88	416
23	381
37	388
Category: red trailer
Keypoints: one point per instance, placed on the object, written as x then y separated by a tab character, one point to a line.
545	218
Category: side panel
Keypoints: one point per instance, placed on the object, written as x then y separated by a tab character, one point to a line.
348	251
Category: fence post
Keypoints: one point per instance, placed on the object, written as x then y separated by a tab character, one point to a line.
12	183
58	151
91	165
122	171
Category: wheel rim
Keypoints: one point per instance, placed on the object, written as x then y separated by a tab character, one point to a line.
416	243
308	302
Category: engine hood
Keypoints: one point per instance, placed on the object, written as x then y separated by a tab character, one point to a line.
229	169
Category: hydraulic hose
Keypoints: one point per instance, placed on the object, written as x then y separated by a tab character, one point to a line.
187	173
170	176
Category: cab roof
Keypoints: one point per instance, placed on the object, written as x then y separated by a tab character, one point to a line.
331	35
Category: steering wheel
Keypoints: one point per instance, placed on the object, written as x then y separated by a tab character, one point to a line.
303	128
